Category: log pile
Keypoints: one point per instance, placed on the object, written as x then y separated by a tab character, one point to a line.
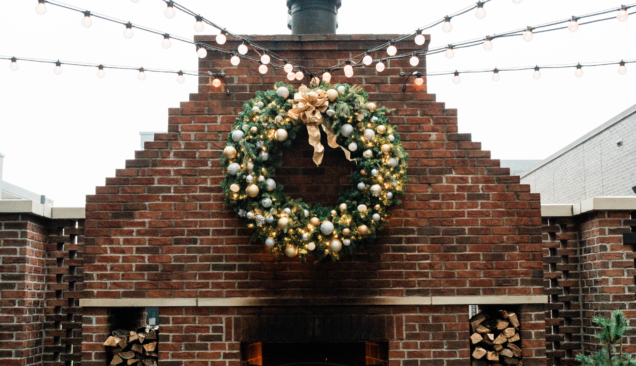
495	339
133	348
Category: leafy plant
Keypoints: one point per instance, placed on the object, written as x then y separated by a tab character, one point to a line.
611	337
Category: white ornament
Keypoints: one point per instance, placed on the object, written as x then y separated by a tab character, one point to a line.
353	146
260	104
311	246
376	217
279	119
332	94
235	188
394	162
287	211
250	167
368	154
283	222
261	179
250	215
249	178
346	130
269	219
360	117
331	112
362	208
376	190
374	119
374	172
264	155
369	134
391	138
305	237
255	109
269	242
237	135
306	213
326	227
281	134
282	92
245	128
361	186
346	242
389	195
335	245
260	220
242	213
271	184
341	89
266	202
233	168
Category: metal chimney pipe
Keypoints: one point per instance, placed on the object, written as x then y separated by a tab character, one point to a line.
313	16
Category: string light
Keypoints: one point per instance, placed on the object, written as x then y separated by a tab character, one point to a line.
517	1
622	69
166	41
235	60
480	13
419	38
537	73
326	77
216	82
265	59
623	15
14	64
449	52
170	13
488	44
414	60
380	66
242	48
447	27
495	75
87	21
41	7
58	68
100	71
456	78
348	69
134	1
128	32
291	76
288	67
419	80
528	35
300	75
574	24
579	71
262	69
367	60
180	77
221	38
198	24
201	51
142	75
391	50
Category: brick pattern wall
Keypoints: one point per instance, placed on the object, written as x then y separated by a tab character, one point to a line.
160	228
64	281
22	286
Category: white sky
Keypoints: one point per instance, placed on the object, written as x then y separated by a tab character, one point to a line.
63	135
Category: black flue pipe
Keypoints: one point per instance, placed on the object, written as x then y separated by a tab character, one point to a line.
313	16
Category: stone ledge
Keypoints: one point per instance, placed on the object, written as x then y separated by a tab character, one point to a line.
605	203
68	213
25	206
556	210
271	302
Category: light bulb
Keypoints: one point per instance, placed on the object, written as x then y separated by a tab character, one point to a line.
380	66
579	71
242	49
622	69
134	1
488	44
622	15
449	52
326	77
419	38
300	75
265	59
180	78
198	24
288	67
58	68
170	12
40	8
528	35
391	50
87	21
367	60
456	78
128	32
447	27
100	72
495	75
216	82
480	13
419	80
537	74
517	1
348	70
221	38
414	60
574	25
142	75
349	73
14	64
235	60
262	69
166	43
291	76
202	52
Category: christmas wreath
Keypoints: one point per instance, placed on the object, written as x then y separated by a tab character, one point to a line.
269	123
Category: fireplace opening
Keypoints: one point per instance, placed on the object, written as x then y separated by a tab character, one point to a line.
314	353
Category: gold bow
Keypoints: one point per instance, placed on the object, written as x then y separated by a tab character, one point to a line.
309	108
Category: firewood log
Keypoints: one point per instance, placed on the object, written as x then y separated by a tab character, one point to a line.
501	339
127	355
490	337
142	337
515	349
120	333
151	336
510	361
152	354
132	336
476	338
132	361
497	347
149	347
477	320
506	353
509	332
122	343
116	360
479	363
504	314
492	356
502	324
112	341
512	317
137	348
150	362
481	329
479	353
514	338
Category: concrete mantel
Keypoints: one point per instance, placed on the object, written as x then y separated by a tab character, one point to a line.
44	210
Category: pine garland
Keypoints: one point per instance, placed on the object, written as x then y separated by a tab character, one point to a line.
291	226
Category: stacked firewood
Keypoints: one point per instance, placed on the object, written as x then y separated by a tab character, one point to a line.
133	348
495	340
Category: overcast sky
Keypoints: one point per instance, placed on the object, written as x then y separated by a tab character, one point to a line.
63	135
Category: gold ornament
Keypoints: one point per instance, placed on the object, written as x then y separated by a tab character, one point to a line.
371	107
343	207
314	221
229	152
315	82
377	207
386	148
346	231
363	230
381	129
254	129
363	172
332	94
235	188
333	212
252	190
283	222
291	251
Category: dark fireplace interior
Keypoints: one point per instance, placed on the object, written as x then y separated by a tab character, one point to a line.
315	353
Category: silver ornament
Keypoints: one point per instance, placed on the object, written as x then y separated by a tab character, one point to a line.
279	119
260	220
249	178
250	215
282	92
242	212
260	104
255	109
261	178
361	186
394	162
341	89
326	228
331	112
305	237
368	154
376	217
306	213
233	168
266	202
374	119
369	134
271	184
287	211
376	190
264	155
374	172
353	146
269	242
391	138
237	135
346	242
389	195
269	219
346	130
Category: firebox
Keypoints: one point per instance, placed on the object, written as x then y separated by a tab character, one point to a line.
314	353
